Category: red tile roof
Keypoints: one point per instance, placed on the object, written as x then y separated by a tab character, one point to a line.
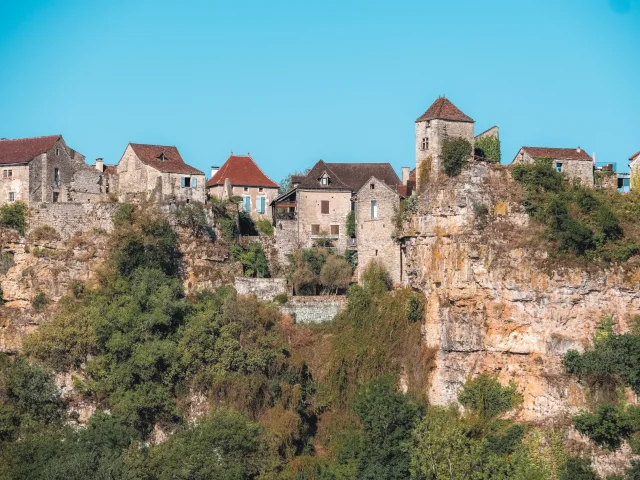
559	153
173	163
634	156
110	170
23	150
243	171
443	109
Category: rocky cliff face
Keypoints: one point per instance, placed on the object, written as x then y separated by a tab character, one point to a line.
496	302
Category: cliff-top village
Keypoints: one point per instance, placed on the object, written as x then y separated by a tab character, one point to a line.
314	208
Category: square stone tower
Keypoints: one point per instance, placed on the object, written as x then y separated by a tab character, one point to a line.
441	120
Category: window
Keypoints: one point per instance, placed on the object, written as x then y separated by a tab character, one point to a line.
374	209
425	143
558	167
260	189
335	229
246	203
372	186
324	181
55	197
261	204
7	173
56	177
324	206
245	189
194	182
315	229
12	196
185	182
162	158
57	151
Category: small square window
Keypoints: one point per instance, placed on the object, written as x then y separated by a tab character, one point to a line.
245	189
558	167
372	186
315	229
260	189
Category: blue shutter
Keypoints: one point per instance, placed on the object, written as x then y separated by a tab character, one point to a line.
263	202
247	204
182	182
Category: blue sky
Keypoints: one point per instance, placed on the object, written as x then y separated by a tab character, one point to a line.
293	82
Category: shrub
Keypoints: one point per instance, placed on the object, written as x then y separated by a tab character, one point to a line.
124	214
488	398
336	274
281	298
78	289
481	214
375	278
44	233
253	260
193	217
455	155
40	301
351	224
488	148
14	215
608	427
576	468
265	227
415	307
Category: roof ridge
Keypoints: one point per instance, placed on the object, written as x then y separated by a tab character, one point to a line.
152	145
28	138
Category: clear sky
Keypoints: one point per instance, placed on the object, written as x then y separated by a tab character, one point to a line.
293	82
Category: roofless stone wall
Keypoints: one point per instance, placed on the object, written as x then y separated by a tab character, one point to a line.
70	218
314	309
264	288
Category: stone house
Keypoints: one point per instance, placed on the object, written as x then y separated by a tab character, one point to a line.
441	120
244	179
634	169
45	169
376	203
316	208
157	173
575	163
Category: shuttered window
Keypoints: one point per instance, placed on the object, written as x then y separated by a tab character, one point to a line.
324	206
261	206
335	229
246	203
315	229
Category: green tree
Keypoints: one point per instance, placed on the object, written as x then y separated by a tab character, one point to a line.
387	418
253	260
608	427
336	274
455	155
485	396
14	215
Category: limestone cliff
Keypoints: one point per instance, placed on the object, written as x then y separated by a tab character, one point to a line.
496	302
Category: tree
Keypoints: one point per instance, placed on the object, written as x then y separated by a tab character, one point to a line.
336	274
387	418
14	215
607	427
253	260
485	396
285	183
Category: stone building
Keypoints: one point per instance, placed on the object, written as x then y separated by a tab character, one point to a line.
246	180
575	163
376	206
634	169
45	169
441	120
316	209
157	173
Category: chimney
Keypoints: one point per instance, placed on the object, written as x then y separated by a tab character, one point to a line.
214	170
406	171
594	158
99	165
578	149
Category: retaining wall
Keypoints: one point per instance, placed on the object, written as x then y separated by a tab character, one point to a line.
314	309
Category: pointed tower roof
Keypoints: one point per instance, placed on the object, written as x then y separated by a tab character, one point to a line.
443	109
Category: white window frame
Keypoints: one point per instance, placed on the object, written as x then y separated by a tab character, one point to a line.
374	209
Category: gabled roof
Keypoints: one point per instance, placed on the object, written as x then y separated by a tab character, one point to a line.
348	176
241	170
634	156
558	153
398	189
23	150
443	109
151	155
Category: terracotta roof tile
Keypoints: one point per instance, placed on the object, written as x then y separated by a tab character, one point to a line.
559	153
443	109
634	156
243	171
23	150
349	176
110	170
172	163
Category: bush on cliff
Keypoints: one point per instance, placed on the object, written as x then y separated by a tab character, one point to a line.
455	155
14	215
488	148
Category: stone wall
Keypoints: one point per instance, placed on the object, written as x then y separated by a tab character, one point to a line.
374	235
436	131
314	309
18	183
579	169
71	218
309	213
492	132
263	288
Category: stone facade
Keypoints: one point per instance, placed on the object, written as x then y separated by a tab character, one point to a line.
314	309
255	195
572	168
314	225
14	179
137	180
375	228
435	131
69	219
263	288
492	132
634	169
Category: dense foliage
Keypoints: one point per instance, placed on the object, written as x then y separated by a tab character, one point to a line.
351	224
455	155
14	215
580	220
488	148
317	270
253	260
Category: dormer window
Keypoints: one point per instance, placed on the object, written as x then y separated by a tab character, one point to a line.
162	157
324	181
